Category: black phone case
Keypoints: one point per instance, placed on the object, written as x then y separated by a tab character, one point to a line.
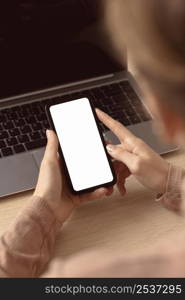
47	108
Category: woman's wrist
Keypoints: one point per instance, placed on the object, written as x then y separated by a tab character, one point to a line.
61	208
163	179
40	209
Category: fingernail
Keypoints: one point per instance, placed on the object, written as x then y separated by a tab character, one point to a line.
102	191
110	148
47	133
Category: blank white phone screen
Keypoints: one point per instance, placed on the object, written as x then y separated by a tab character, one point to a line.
81	144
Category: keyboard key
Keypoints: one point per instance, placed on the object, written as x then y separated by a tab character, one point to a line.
26	129
43	133
119	114
35	109
31	119
97	93
125	121
3	135
42	117
41	106
15	108
46	125
12	141
2	144
36	126
19	148
115	86
23	113
8	125
135	119
118	99
116	107
105	101
2	118
7	151
25	108
96	102
5	111
125	85
23	138
35	136
19	123
36	144
136	101
12	116
111	90
130	111
14	132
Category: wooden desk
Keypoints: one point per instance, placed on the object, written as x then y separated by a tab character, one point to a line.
110	226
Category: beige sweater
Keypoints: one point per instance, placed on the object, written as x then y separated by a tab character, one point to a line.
26	247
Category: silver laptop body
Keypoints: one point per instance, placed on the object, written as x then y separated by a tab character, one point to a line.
19	172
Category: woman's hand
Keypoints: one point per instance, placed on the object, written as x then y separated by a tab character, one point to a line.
145	164
52	186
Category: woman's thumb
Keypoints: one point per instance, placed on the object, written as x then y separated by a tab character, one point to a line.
116	151
52	144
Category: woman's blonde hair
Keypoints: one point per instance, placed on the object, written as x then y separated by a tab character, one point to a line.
154	33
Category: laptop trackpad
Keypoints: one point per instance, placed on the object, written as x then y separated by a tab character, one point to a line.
110	137
38	156
17	173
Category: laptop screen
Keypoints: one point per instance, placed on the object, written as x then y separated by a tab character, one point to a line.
48	43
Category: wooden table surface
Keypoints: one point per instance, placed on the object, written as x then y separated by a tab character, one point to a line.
109	226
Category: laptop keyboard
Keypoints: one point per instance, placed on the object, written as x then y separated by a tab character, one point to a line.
22	128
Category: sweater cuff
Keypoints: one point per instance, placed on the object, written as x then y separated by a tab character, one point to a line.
38	210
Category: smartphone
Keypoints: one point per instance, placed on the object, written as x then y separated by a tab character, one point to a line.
81	145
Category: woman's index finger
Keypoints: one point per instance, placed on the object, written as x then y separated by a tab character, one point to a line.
116	127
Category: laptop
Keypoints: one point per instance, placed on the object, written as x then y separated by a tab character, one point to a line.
48	52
